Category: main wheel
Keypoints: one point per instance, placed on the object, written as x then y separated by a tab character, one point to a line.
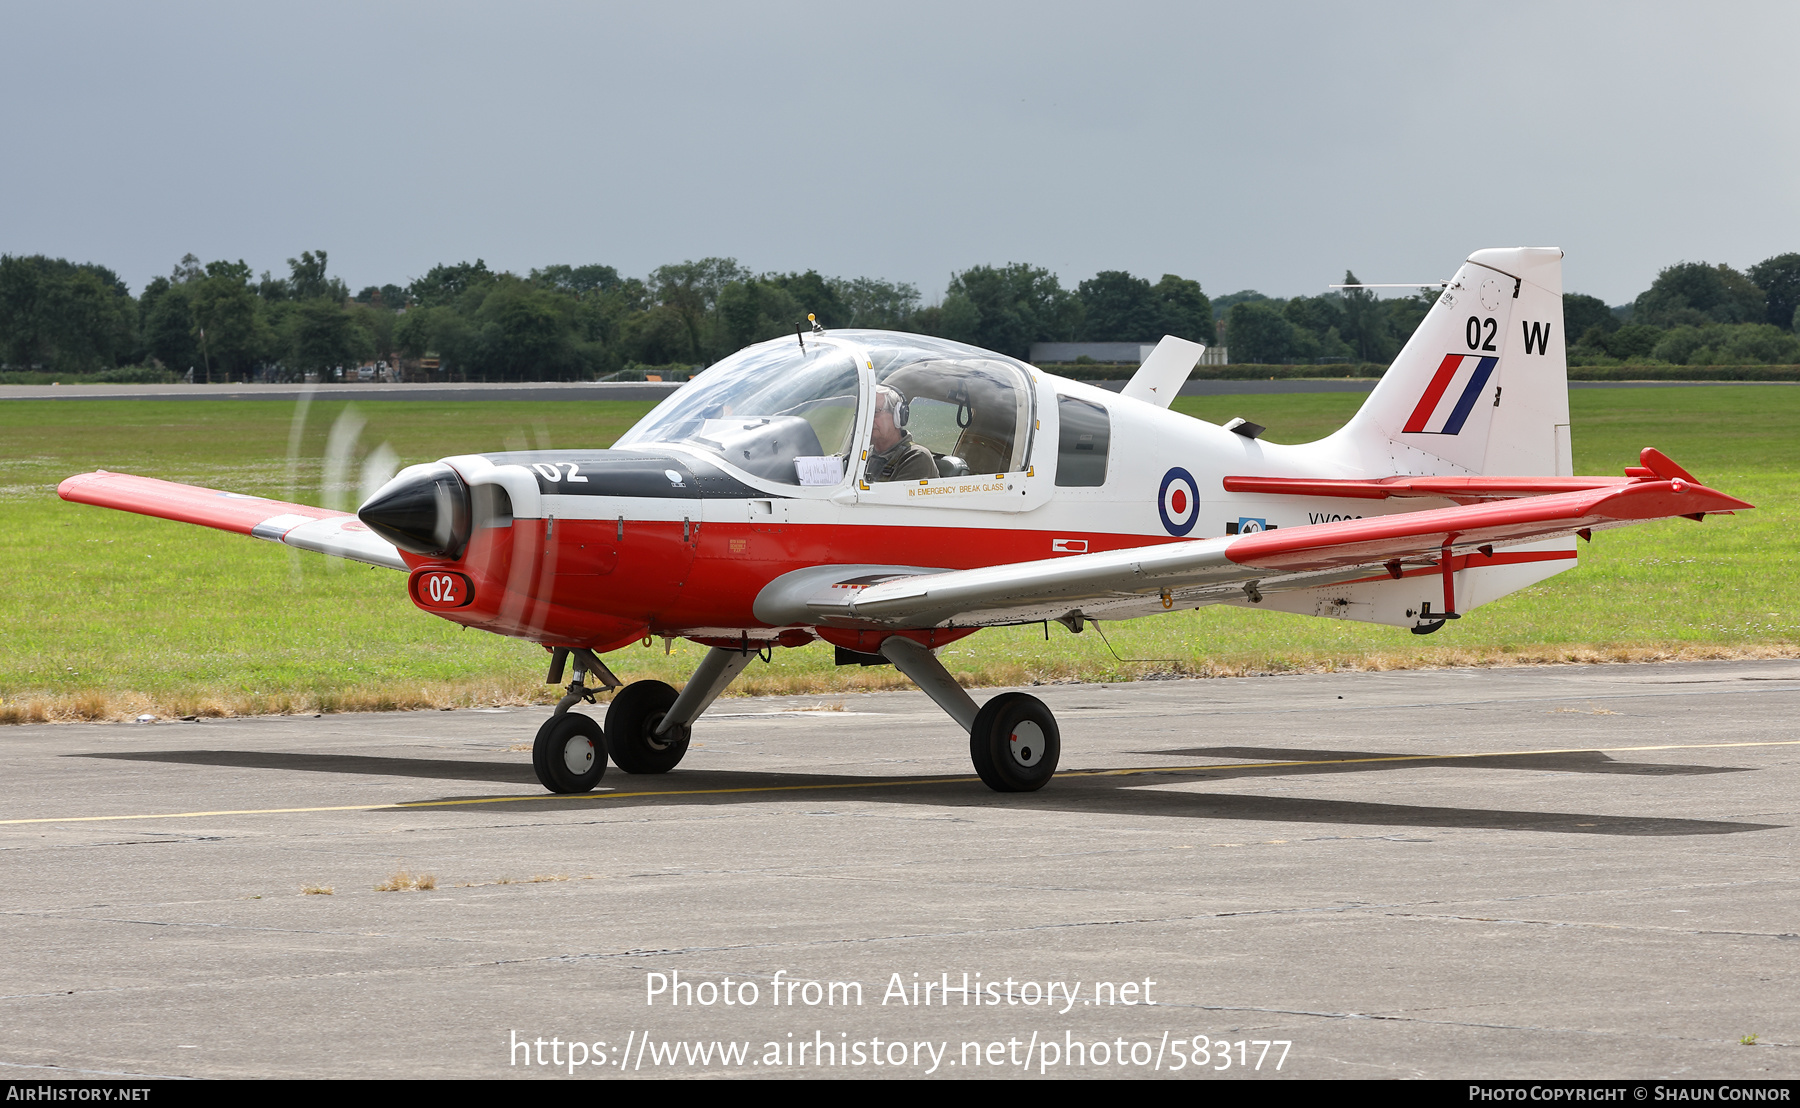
569	754
1015	743
631	722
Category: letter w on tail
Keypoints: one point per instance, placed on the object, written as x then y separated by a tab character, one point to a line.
1536	335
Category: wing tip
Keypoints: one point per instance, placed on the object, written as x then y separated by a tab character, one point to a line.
71	484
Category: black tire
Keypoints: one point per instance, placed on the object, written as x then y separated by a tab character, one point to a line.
570	753
631	722
1015	743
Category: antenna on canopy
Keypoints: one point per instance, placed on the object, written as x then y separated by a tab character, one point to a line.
800	334
1401	285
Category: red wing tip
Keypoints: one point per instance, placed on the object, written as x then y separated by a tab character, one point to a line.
1714	496
78	480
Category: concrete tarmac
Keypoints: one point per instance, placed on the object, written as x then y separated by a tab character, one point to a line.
1581	871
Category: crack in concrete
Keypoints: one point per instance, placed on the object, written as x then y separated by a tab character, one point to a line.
222	926
100	1073
1391	1018
1697	931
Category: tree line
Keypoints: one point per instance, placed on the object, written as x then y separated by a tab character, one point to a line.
561	322
1349	326
566	322
1692	314
1695	314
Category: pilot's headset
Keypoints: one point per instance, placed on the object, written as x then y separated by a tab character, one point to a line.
895	403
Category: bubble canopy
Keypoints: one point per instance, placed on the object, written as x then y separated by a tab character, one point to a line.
789	414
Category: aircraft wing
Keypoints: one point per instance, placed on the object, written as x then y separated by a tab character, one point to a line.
1144	579
316	529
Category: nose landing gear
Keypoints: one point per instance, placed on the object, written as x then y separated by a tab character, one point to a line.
569	754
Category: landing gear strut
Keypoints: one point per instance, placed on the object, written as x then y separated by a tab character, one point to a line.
1013	738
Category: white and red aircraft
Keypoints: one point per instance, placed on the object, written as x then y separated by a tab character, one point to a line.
768	504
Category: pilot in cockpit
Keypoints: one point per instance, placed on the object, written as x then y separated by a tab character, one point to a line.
896	457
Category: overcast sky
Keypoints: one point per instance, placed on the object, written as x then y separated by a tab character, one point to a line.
1249	145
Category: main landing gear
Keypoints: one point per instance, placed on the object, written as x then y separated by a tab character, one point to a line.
648	723
1013	738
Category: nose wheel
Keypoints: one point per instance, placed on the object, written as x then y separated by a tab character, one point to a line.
1015	743
569	754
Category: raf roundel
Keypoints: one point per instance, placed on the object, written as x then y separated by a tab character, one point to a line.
1178	501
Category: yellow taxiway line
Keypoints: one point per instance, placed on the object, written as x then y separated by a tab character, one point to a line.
393	805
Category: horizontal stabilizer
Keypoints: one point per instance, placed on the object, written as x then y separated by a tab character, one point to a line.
1655	464
319	530
1443	488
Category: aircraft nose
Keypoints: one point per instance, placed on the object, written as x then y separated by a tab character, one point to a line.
424	510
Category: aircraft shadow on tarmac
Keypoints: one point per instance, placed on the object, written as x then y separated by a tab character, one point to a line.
1076	792
1357	761
439	769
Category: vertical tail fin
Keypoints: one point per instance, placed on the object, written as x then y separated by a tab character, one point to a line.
1482	385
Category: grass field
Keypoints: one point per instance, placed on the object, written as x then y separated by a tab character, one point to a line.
106	614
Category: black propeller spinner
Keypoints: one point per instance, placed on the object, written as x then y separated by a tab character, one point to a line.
423	510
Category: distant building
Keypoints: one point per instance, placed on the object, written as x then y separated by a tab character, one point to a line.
1111	353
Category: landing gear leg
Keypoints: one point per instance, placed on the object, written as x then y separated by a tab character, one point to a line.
922	667
585	663
648	724
1013	738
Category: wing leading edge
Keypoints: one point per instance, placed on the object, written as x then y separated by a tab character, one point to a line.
1140	580
319	530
